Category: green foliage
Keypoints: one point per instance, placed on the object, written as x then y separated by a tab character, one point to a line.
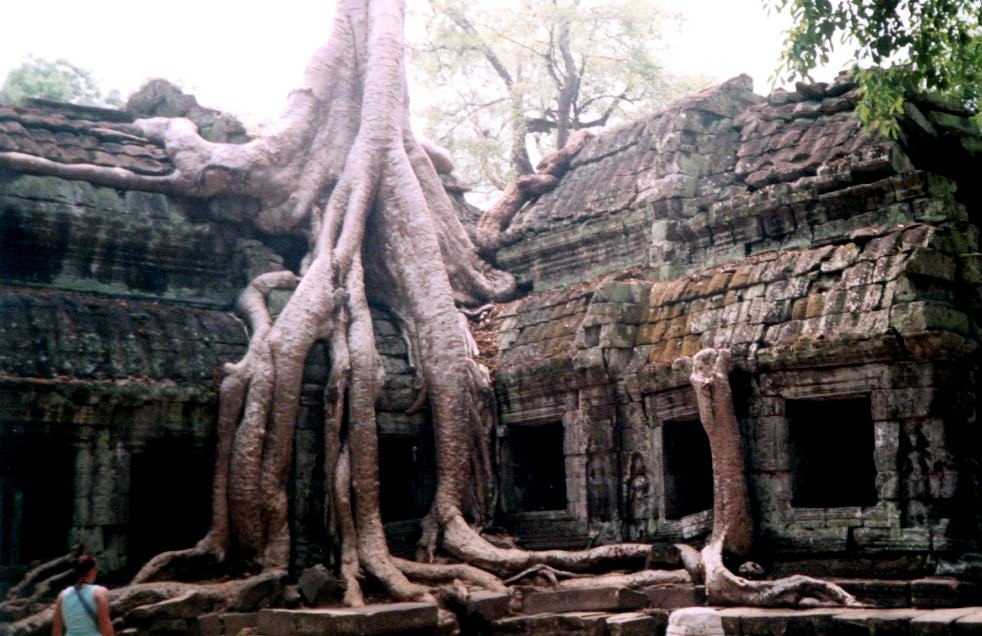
59	81
506	75
913	45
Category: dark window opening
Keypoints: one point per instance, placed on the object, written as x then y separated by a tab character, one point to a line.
170	497
831	453
688	468
37	469
407	477
535	464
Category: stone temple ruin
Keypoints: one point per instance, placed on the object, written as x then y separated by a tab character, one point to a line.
841	269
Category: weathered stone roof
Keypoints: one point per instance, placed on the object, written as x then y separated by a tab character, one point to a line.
51	335
68	134
777	228
879	294
720	176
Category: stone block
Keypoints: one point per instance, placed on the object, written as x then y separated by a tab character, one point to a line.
617	335
590	599
971	268
169	626
206	625
695	621
932	263
234	623
875	621
675	596
370	619
177	608
841	258
631	624
488	605
572	623
921	316
970	625
623	292
762	621
939	622
892	538
317	585
879	593
943	592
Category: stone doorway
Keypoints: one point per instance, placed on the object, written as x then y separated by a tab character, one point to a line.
170	497
37	485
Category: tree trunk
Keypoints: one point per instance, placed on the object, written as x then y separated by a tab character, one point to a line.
733	527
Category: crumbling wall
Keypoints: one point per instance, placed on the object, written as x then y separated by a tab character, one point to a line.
839	269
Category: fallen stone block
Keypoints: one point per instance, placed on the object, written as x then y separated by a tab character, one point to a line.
317	585
385	618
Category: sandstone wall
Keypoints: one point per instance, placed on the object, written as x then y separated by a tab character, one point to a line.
840	268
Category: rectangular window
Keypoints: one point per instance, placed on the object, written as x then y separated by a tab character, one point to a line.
831	453
688	468
535	468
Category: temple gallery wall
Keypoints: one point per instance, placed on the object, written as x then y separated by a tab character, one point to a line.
841	269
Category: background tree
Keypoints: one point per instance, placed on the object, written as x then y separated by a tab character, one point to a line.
502	76
914	46
59	80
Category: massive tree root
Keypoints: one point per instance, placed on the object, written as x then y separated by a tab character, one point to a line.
343	169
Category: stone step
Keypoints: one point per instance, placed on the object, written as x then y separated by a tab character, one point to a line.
635	624
383	618
582	600
581	624
877	592
963	621
223	624
939	622
944	592
674	596
553	624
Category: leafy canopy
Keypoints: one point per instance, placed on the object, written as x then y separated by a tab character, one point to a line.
507	76
59	80
914	46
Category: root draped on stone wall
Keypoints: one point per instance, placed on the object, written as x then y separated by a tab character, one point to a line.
342	168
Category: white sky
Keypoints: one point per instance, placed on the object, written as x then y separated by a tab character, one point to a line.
244	56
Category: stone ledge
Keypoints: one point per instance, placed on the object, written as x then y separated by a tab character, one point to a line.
385	618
